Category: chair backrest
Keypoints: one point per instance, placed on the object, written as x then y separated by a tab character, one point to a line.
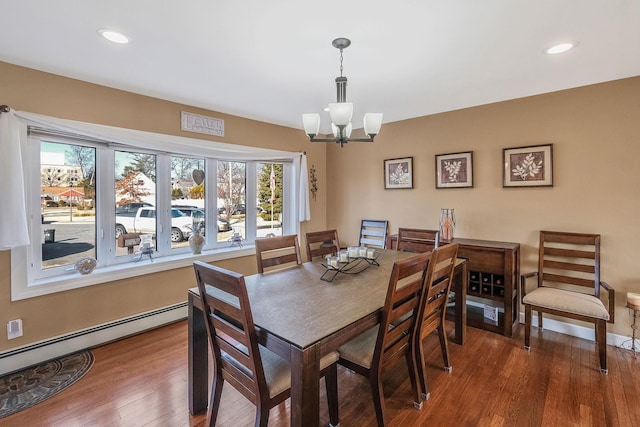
569	259
417	239
438	282
398	320
321	243
277	252
231	330
373	233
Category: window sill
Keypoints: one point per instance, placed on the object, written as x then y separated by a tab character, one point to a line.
75	280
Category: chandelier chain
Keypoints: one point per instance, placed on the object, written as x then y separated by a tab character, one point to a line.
340	62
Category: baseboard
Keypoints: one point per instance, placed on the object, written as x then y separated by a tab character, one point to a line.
21	357
575	330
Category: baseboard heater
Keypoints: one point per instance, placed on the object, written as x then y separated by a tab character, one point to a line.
21	357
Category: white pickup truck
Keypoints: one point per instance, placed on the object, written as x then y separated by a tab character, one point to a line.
144	221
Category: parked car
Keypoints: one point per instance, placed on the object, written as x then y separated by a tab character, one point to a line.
198	214
131	208
144	221
239	209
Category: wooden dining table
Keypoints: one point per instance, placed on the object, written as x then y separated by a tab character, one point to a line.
302	318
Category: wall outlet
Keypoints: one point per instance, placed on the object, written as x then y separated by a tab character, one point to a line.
14	329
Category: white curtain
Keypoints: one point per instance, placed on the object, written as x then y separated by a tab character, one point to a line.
303	210
13	136
13	215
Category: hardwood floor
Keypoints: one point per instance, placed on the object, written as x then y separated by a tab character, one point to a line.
142	381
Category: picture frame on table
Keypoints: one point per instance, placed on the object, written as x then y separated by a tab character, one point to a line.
398	173
454	170
530	166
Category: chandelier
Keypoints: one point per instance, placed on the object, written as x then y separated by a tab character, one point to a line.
341	112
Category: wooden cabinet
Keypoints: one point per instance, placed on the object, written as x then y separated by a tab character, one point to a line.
493	274
494	269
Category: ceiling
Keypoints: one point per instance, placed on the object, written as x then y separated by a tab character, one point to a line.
273	60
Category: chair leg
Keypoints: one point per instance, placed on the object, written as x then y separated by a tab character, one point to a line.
378	398
214	402
331	383
444	345
527	326
262	415
413	367
420	368
539	320
601	338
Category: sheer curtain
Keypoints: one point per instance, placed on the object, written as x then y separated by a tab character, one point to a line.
13	215
13	136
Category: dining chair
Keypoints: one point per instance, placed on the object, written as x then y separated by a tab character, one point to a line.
371	353
277	251
321	243
373	233
417	239
433	309
256	372
569	285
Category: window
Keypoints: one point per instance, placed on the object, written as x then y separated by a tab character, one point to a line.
92	193
72	200
270	210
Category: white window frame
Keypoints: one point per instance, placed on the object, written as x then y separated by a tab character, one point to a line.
25	285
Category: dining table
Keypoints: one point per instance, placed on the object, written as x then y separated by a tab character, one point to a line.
301	318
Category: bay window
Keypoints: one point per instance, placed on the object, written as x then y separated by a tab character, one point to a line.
90	196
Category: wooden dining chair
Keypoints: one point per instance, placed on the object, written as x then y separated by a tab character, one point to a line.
433	309
321	243
417	239
371	353
257	373
373	233
569	285
277	252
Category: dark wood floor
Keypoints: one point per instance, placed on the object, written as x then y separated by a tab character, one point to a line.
142	381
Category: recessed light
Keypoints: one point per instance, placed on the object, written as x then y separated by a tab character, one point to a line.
561	47
113	36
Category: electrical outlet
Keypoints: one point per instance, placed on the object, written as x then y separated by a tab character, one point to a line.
14	329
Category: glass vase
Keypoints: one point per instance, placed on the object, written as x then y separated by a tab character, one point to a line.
196	241
447	224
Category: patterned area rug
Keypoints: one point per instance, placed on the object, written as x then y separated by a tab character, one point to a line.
23	389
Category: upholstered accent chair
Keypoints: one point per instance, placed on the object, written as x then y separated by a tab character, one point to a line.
569	285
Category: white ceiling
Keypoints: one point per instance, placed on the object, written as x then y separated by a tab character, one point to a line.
273	60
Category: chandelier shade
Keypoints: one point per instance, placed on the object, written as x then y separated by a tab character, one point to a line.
341	112
372	123
311	123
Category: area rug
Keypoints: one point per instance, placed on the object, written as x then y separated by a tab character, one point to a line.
23	389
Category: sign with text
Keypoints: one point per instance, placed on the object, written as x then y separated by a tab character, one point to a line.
202	124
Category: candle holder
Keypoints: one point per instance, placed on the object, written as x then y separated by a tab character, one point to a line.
351	264
634	312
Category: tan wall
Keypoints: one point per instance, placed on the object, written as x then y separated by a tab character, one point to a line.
595	133
51	315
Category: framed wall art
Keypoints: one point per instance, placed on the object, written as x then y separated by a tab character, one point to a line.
528	166
398	173
454	170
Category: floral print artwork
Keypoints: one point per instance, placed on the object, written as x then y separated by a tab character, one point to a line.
528	166
399	174
454	170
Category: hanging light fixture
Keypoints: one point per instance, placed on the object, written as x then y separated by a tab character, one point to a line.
341	112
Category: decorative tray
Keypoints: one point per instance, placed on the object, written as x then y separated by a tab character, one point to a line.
348	265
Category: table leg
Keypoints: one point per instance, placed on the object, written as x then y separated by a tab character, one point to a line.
305	388
198	359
